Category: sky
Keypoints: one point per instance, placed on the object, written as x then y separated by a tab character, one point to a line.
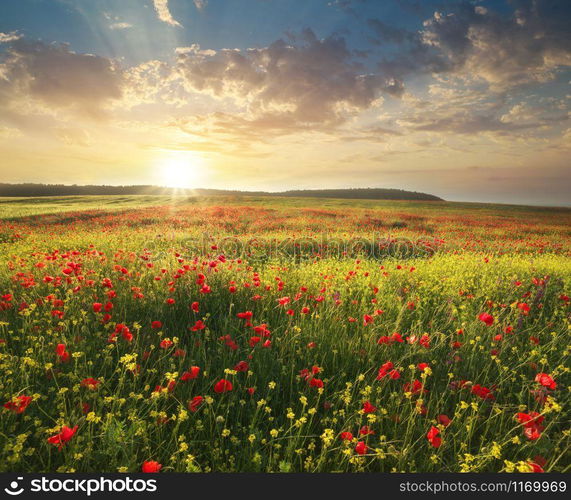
467	100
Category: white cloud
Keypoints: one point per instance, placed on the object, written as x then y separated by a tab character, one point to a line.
120	26
9	37
162	8
200	4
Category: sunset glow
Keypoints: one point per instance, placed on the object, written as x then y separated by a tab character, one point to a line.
464	100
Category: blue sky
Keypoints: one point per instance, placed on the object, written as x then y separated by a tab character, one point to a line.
465	99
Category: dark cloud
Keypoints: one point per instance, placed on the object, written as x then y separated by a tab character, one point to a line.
528	45
310	80
504	51
58	77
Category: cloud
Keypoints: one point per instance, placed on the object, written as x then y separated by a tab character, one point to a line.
73	136
162	9
120	26
311	81
478	44
200	4
9	37
55	76
503	51
9	132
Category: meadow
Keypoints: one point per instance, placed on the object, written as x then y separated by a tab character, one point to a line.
257	334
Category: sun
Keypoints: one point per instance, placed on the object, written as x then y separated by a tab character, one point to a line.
181	169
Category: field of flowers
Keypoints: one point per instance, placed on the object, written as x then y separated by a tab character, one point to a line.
283	335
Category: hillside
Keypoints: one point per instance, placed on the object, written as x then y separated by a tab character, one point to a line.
30	189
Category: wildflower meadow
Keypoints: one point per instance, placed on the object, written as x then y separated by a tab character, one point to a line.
244	334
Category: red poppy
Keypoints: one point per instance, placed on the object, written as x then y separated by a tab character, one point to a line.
365	431
156	325
151	466
346	436
315	382
190	374
415	387
254	340
90	383
62	353
369	408
19	405
223	385
535	467
199	325
532	424
195	403
384	370
63	437
241	366
524	308
486	318
165	343
361	448
97	306
482	392
545	380
443	420
433	437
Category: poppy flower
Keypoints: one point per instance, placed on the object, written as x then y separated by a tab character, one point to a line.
97	306
165	343
199	325
361	448
433	437
535	467
532	424
369	408
190	374
151	466
365	431
315	382
223	385
62	353
254	340
156	325
346	436
486	318
443	420
195	403
546	380
415	387
482	392
241	366
63	437
18	404
524	308
90	383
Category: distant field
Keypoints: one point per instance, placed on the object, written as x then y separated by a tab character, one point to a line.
270	334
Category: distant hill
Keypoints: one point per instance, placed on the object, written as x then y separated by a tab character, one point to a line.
75	190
